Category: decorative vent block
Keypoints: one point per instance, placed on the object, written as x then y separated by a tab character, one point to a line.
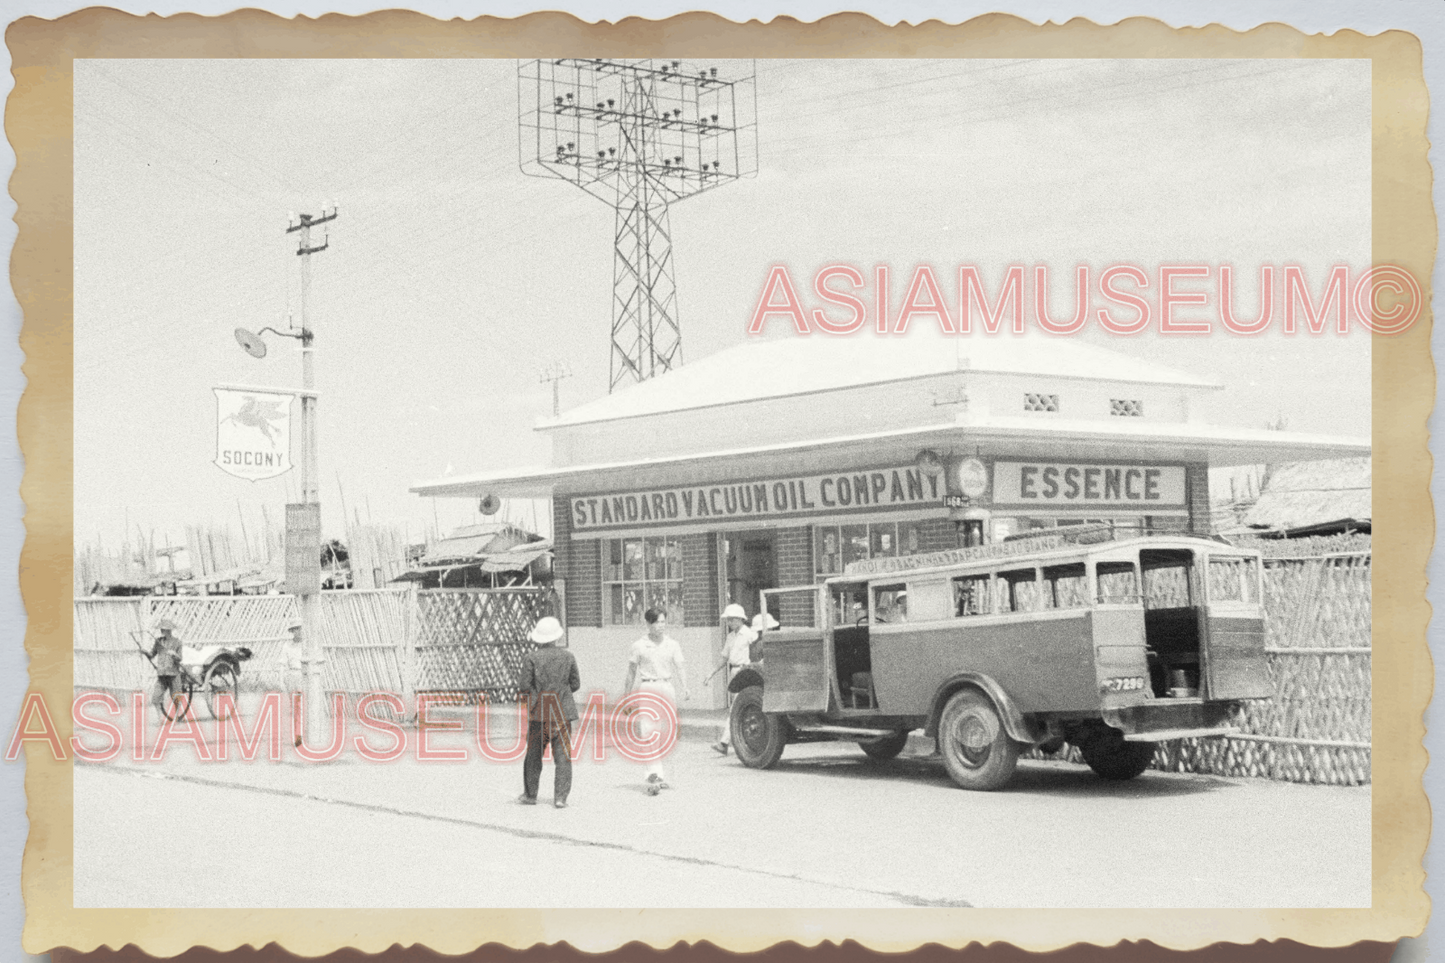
1126	408
1033	402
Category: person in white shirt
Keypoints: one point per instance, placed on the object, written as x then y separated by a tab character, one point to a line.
655	660
736	652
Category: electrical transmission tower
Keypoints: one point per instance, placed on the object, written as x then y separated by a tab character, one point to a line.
639	135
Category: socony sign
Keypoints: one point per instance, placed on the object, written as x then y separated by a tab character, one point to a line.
253	433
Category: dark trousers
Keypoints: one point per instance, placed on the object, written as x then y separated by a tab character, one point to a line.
559	738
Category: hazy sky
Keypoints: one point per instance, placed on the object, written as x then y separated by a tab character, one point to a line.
452	278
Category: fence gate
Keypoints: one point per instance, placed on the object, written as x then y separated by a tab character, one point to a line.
471	641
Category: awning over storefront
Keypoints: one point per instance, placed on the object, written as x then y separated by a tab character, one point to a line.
1213	445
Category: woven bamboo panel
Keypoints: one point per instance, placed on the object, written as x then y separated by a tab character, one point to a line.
472	641
1319	697
106	656
362	633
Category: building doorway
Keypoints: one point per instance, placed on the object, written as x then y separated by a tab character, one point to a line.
749	564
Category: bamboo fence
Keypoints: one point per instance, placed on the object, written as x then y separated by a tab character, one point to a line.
465	642
1316	727
458	641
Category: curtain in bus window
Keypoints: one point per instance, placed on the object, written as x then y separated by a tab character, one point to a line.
1166	585
1066	587
1118	583
1017	591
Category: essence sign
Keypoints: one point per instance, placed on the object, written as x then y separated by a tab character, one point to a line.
1054	486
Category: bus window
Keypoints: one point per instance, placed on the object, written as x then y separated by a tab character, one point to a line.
1166	579
1066	587
1118	583
850	604
1016	591
970	595
1232	579
890	603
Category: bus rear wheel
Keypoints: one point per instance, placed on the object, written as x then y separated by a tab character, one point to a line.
975	746
1113	757
758	736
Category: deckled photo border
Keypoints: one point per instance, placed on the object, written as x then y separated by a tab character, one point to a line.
38	124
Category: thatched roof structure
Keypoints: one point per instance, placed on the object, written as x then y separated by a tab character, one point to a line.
1309	494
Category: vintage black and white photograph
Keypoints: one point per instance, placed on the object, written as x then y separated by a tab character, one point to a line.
684	483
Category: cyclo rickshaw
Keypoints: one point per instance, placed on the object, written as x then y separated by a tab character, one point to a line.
211	670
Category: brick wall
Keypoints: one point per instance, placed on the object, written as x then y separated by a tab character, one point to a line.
700	577
580	563
1201	519
793	548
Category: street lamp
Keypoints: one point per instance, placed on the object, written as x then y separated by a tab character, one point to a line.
303	520
303	527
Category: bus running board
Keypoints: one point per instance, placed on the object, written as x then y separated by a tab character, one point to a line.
1164	735
856	733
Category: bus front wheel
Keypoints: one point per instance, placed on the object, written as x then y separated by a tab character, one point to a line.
975	746
758	736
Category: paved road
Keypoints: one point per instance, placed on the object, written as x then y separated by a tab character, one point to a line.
825	829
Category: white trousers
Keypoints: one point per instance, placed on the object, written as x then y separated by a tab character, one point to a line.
646	726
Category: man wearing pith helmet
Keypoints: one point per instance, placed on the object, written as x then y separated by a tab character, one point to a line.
548	679
737	639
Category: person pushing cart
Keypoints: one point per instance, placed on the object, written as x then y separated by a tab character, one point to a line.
165	655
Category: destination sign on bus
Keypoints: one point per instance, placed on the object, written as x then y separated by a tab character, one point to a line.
1078	485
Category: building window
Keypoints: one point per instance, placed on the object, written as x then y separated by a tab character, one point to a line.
1033	402
1126	408
837	545
642	573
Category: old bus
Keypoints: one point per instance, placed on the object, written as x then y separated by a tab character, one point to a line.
1110	645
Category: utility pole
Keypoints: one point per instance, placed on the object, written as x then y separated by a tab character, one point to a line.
309	594
638	135
554	373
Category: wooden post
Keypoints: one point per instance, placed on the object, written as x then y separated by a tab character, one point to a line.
406	656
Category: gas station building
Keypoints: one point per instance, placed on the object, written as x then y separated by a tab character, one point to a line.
776	463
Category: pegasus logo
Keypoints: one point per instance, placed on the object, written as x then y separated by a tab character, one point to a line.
261	415
253	433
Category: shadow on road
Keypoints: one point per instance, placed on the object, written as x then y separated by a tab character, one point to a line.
1034	777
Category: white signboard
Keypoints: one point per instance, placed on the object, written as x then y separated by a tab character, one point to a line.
838	493
1064	485
253	433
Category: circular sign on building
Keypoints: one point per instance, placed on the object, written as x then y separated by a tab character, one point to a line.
972	477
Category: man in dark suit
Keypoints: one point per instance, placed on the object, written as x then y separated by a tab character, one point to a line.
549	677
